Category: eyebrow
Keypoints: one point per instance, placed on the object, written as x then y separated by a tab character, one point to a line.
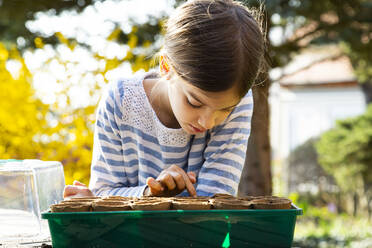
197	99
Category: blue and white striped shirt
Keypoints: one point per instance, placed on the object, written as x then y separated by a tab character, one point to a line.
131	144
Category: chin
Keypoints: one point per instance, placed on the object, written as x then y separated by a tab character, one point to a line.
189	131
187	128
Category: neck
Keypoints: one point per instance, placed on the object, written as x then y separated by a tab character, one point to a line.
159	100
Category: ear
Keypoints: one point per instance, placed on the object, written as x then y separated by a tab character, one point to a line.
164	66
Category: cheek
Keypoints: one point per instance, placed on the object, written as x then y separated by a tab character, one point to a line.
178	104
180	108
185	111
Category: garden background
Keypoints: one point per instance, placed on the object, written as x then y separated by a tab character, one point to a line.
56	57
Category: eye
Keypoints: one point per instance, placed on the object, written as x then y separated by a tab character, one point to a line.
192	105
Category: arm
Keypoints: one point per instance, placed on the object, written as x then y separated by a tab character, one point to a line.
108	176
225	152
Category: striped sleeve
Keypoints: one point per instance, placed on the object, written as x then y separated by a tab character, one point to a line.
225	152
108	175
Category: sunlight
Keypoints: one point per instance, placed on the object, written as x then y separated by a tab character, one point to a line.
75	68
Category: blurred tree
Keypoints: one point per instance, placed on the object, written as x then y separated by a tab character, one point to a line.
22	116
301	24
75	125
345	153
305	23
26	124
25	121
64	133
15	13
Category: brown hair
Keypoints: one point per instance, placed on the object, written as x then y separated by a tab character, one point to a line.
214	44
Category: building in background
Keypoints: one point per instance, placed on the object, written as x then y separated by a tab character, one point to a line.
314	91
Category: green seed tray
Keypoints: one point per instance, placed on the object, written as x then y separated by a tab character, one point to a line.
174	228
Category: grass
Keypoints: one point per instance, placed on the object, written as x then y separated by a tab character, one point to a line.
322	227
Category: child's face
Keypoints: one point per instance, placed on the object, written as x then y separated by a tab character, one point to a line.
197	110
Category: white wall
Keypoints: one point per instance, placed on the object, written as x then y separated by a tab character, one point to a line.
299	114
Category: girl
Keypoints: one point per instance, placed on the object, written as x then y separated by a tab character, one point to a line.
185	129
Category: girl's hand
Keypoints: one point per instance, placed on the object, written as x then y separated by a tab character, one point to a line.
78	189
171	182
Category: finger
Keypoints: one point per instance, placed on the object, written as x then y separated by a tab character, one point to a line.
76	182
166	179
154	186
69	190
178	179
83	193
192	176
190	188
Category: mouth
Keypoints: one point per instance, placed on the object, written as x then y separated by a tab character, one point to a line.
197	129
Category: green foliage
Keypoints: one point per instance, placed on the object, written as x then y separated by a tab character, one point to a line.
345	151
305	169
361	60
309	22
322	227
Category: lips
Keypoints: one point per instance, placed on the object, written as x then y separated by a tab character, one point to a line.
197	129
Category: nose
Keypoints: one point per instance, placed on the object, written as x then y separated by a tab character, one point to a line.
207	120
